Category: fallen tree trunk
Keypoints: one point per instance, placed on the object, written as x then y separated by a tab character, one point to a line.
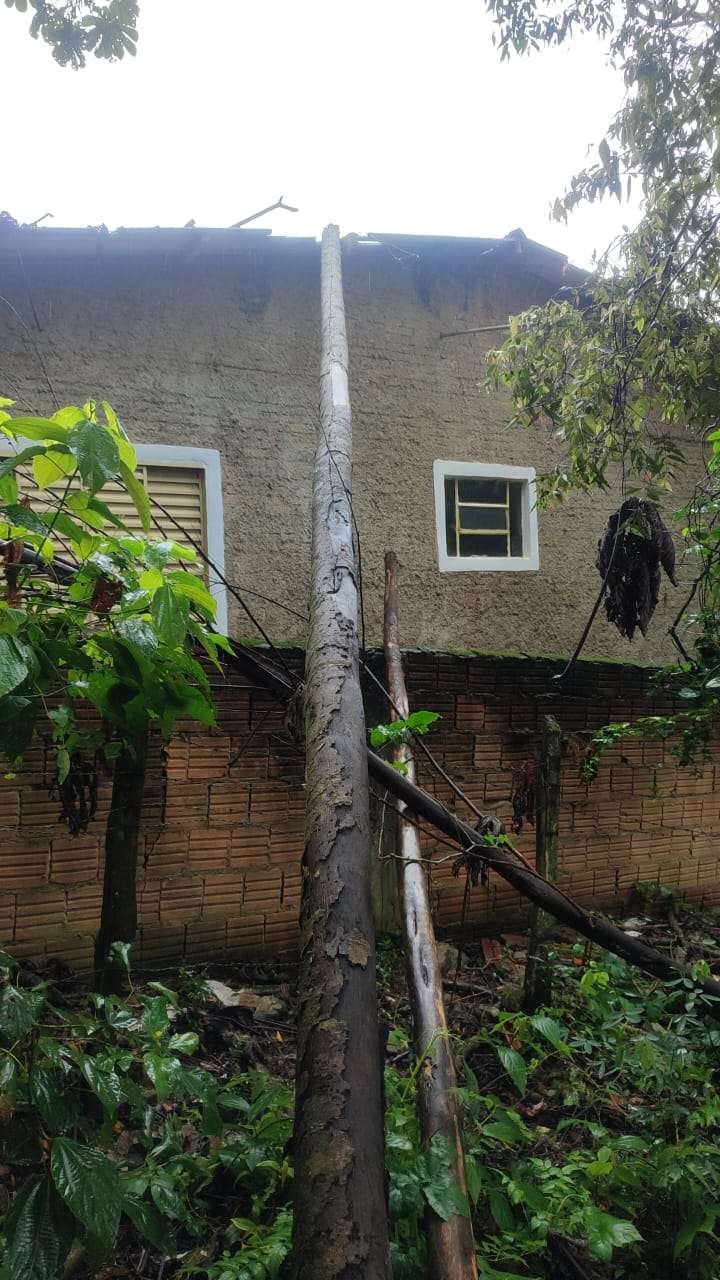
340	1220
451	1248
505	861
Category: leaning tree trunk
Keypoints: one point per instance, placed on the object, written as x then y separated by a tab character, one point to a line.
340	1219
118	917
451	1248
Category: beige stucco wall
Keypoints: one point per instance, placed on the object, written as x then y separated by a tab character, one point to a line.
222	351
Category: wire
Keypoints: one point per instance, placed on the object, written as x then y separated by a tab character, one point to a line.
229	587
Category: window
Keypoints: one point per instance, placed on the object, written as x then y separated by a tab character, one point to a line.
186	482
486	518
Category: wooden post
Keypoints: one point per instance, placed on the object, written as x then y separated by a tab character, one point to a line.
451	1249
538	971
340	1220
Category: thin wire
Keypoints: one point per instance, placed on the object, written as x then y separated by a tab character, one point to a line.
426	831
253	732
36	348
230	588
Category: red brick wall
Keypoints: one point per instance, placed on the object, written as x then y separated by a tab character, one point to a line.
643	819
222	837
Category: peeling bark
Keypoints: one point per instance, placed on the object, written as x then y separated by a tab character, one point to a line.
451	1248
340	1219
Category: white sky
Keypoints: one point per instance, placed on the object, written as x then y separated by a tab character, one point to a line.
392	115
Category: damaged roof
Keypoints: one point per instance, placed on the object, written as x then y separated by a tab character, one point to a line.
32	241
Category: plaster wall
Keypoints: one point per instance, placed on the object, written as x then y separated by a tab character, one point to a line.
221	350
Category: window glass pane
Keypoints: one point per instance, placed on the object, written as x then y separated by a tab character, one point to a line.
483	518
450	535
477	489
516	529
475	544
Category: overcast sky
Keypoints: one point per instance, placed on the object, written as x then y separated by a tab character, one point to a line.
391	115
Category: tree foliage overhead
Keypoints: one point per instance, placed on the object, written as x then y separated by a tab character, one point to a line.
625	371
75	29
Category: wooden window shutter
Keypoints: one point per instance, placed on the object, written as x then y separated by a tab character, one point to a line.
180	490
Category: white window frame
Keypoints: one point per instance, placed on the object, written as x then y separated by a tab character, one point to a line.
207	461
527	563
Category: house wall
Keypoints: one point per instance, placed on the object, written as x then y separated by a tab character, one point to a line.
222	837
222	351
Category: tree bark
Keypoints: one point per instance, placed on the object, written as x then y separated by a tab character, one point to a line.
340	1220
118	916
451	1248
537	988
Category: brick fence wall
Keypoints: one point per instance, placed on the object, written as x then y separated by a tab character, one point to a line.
222	835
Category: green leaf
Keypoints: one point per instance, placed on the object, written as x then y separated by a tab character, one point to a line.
165	1194
146	1219
67	527
502	1130
552	1031
184	1042
140	634
97	454
69	415
17	1013
514	1066
155	1016
52	466
697	1223
187	584
440	1187
138	494
6	961
420	721
604	1232
125	449
9	489
38	1233
24	518
8	465
105	1084
39	429
164	1072
170	615
473	1177
89	1184
13	668
99	509
501	1211
46	1093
